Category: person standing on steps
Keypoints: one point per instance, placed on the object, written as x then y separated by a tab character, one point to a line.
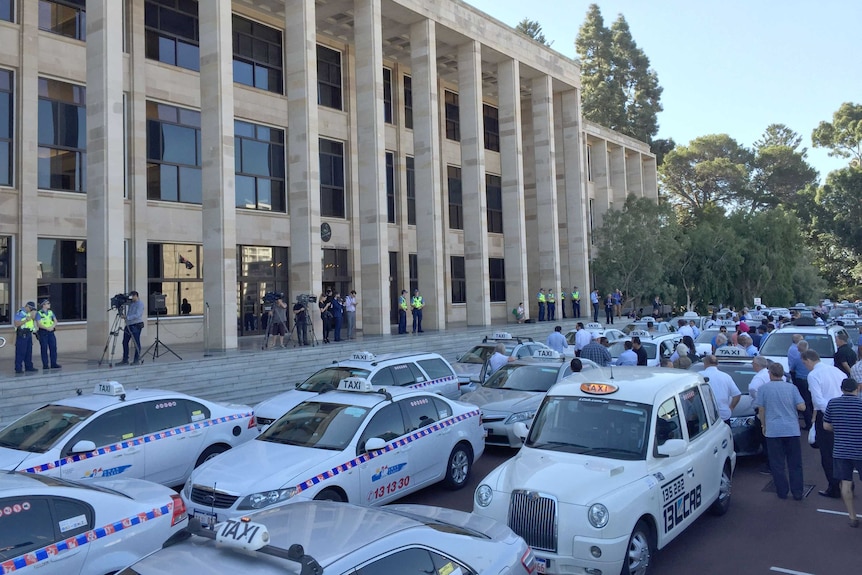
541	299
25	325
402	312
417	303
47	322
576	303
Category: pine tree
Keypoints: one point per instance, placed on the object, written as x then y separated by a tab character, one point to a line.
532	29
601	101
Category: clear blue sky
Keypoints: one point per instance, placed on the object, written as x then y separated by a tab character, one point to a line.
731	67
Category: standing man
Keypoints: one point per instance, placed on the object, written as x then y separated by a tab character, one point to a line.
402	312
552	305
134	316
799	372
618	302
47	322
843	418
540	298
582	338
640	351
557	341
609	309
300	321
25	325
417	303
656	307
576	309
563	302
278	328
337	314
350	313
594	299
627	357
723	387
684	329
778	404
845	357
824	382
597	351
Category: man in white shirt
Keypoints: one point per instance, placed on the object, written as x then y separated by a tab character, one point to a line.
685	329
761	375
582	338
726	392
824	382
499	359
557	341
350	311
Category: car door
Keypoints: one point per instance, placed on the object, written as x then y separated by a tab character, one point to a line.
387	472
170	449
674	473
119	447
446	383
430	451
701	479
720	439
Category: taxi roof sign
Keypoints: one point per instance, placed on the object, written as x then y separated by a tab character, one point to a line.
727	322
594	325
109	388
355	384
648	318
732	352
598	388
362	356
546	354
691	315
501	335
242	534
640	333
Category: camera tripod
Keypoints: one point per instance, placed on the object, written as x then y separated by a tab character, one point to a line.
154	347
112	339
309	331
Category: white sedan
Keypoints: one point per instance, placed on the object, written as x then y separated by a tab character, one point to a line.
56	527
151	434
358	444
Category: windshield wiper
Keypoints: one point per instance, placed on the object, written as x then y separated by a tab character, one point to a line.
548	444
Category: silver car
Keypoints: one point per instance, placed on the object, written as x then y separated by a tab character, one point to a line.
340	538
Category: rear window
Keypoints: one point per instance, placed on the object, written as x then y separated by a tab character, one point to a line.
524	378
39	430
777	344
436	368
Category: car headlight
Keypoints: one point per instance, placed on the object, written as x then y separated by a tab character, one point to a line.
484	495
266	498
598	515
521	416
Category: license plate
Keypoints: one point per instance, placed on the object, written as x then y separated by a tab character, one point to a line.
207	519
541	565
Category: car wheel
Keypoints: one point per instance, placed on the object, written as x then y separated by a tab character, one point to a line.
458	468
329	495
722	503
211	452
639	553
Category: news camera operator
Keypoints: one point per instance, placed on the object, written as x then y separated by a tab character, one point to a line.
133	313
300	320
279	321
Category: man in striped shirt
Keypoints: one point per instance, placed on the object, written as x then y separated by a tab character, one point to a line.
844	418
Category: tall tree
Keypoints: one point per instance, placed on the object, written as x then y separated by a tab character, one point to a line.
533	29
780	169
843	136
600	101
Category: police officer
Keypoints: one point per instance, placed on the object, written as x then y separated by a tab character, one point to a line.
47	322
540	297
25	325
576	303
417	303
563	302
402	312
552	305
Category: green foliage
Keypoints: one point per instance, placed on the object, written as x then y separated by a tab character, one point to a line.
661	147
532	29
843	136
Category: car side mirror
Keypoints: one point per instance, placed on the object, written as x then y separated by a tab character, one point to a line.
521	430
374	444
84	446
672	448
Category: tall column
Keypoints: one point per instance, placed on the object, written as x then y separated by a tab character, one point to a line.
473	182
601	181
300	71
546	184
426	150
219	195
105	167
619	187
512	168
634	174
577	238
374	255
650	181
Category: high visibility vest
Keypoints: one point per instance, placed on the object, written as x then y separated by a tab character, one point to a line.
29	323
47	319
551	298
563	296
402	302
576	295
418	302
541	297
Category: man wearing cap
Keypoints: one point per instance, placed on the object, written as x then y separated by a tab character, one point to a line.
25	324
843	418
47	322
134	316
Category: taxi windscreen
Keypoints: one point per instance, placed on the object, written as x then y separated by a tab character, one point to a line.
317	424
524	378
779	343
593	426
329	377
39	430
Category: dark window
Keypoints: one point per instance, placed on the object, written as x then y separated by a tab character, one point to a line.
402	374
413	562
383	377
456	201
7	109
332	179
494	201
329	77
387	424
175	270
419	412
589	164
6	10
65	509
390	187
173	32
497	279
62	136
453	121
336	270
5	280
709	399
112	427
413	272
387	95
257	55
436	368
62	273
260	170
64	17
408	102
491	116
411	191
459	279
173	154
696	420
667	423
165	414
26	531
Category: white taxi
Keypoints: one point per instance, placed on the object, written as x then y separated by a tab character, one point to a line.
56	527
359	444
150	434
657	346
616	464
596	329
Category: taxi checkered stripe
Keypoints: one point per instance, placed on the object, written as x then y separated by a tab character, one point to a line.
45	553
425	431
433	382
149	438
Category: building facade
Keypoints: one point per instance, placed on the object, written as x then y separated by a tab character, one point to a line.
215	151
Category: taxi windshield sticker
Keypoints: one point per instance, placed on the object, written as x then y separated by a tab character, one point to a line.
16	508
450	569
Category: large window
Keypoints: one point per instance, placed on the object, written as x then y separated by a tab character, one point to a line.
387	95
5	279
6	122
453	117
408	102
6	10
62	136
332	179
494	201
173	32
173	154
64	17
336	270
259	159
456	201
497	279
329	77
491	117
390	187
61	275
257	55
459	279
411	191
175	270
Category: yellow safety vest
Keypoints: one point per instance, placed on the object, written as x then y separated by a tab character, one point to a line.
576	295
541	297
29	324
402	302
418	302
551	298
563	295
47	319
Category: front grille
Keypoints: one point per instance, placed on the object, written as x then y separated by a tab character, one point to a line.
210	498
534	517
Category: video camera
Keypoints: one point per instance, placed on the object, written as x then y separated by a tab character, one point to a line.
120	300
305	298
270	297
